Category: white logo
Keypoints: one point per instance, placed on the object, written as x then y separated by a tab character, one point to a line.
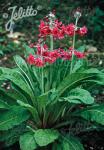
18	14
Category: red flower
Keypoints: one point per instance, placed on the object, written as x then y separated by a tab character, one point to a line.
42	24
61	34
65	55
82	31
50	60
45	46
55	32
79	54
58	24
35	61
44	29
32	45
38	62
58	29
41	50
71	49
70	29
54	54
51	56
31	59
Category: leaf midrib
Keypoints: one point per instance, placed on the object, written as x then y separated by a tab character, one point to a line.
73	83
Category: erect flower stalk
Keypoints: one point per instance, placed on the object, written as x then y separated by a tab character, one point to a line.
51	23
42	71
77	15
51	49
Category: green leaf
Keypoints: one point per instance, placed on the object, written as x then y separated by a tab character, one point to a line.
77	65
32	110
92	70
82	48
79	96
3	105
12	136
21	63
36	74
17	78
28	50
94	114
44	137
14	116
99	80
24	69
27	141
57	146
14	94
45	98
73	80
71	143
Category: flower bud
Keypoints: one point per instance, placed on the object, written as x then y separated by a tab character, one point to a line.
77	14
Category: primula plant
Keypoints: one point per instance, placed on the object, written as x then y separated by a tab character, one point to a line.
49	91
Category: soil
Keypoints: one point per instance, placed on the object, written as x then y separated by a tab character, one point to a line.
93	140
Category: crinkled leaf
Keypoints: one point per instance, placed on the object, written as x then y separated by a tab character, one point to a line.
27	141
14	116
3	105
32	110
79	96
73	80
17	78
44	137
71	143
94	114
21	63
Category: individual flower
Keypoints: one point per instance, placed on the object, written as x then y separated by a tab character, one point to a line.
55	31
58	24
30	59
82	31
50	60
61	33
77	14
64	54
42	24
44	29
32	45
41	49
54	54
79	54
51	56
35	61
70	29
39	62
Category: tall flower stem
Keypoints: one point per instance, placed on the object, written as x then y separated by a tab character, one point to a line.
42	73
73	46
51	48
51	42
42	81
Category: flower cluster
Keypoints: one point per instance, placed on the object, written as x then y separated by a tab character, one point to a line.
59	30
44	56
